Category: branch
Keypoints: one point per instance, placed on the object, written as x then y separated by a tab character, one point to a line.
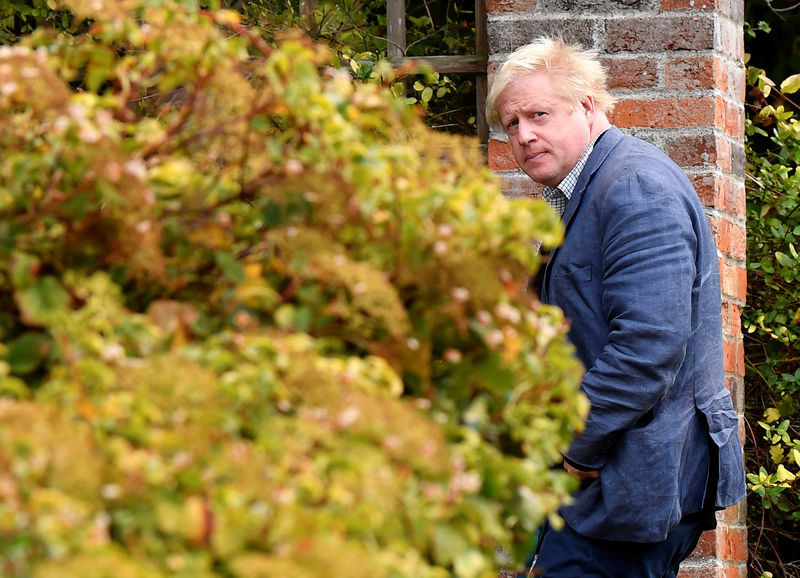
240	29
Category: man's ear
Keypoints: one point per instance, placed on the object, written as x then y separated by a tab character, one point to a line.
587	103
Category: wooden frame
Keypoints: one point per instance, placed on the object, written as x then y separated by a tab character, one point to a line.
467	64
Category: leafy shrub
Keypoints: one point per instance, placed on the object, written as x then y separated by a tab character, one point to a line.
770	321
257	320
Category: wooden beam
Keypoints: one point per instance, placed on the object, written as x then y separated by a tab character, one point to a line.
307	8
396	28
467	63
481	81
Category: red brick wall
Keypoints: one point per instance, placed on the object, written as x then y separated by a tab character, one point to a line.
676	67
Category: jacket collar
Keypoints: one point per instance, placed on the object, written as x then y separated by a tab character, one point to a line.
604	145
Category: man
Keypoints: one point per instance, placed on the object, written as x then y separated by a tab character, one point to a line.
637	275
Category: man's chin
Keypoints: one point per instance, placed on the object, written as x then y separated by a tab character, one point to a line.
542	179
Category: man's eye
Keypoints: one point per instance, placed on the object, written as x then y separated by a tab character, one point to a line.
512	123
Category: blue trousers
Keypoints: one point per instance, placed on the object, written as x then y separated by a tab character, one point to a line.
567	554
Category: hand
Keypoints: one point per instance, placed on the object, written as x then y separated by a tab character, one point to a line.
582	474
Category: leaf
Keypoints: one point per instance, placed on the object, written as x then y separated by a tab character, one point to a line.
427	94
791	84
470	565
449	544
772	414
776	453
230	267
100	68
27	352
784	259
784	475
273	214
43	301
13	387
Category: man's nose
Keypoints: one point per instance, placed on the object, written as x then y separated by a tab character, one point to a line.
526	132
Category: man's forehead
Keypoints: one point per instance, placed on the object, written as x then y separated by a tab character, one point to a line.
519	96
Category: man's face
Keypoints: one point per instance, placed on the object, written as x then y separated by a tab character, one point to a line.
546	136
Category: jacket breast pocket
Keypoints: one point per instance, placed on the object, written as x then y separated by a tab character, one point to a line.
579	275
567	284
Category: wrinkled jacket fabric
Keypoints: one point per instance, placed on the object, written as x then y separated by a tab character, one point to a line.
638	277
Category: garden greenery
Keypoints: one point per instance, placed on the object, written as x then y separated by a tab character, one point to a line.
771	321
257	319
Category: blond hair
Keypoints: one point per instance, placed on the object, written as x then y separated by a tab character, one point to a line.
575	72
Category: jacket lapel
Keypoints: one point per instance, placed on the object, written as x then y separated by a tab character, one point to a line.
602	148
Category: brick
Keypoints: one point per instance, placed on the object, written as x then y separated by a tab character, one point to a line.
731	39
741	283
737	239
730	237
735	385
734	198
501	158
732	319
724	155
725	196
723	187
690	73
596	7
733	353
737	80
517	184
732	543
735	515
735	571
631	73
688	4
704	184
738	157
720	191
510	5
732	9
726	316
707	546
734	280
664	34
665	113
729	78
714	224
734	119
721	74
699	572
692	150
505	36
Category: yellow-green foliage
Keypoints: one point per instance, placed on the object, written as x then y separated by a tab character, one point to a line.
256	320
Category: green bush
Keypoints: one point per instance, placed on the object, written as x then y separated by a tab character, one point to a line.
770	321
257	320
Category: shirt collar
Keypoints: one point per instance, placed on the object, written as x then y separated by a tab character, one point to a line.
567	185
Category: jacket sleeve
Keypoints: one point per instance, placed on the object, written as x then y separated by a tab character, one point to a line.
648	250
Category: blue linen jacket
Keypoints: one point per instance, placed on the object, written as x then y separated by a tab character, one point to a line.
638	278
